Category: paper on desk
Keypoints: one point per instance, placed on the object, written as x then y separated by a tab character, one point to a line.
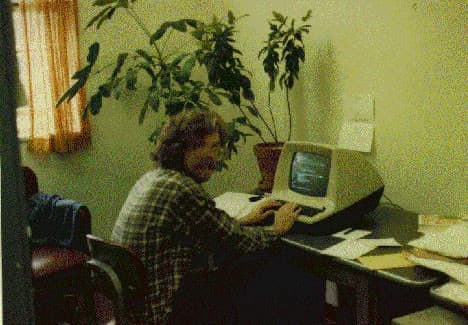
379	242
454	291
235	204
454	270
348	234
387	261
436	223
350	249
453	242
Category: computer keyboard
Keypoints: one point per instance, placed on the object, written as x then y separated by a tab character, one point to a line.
306	210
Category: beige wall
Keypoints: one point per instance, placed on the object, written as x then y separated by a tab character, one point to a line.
410	58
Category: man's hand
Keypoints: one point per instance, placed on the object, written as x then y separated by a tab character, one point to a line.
285	217
260	212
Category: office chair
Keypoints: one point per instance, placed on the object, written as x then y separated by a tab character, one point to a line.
59	274
117	275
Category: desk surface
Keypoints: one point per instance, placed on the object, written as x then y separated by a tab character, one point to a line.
384	222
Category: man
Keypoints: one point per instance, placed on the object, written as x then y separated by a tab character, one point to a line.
172	223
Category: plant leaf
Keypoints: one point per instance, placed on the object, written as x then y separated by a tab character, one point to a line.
187	68
141	117
153	99
70	92
123	3
248	94
120	61
231	18
117	91
131	79
93	53
235	98
279	17
147	67
95	18
241	120
110	13
213	97
192	22
159	33
145	56
155	134
307	16
105	90
253	110
101	3
179	25
95	103
83	73
179	58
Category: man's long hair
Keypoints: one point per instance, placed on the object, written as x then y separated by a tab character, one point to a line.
186	130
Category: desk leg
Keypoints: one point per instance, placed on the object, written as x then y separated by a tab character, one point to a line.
366	303
358	304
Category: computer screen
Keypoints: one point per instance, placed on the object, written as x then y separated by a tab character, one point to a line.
309	174
326	180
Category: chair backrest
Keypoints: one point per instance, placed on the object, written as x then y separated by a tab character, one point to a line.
81	224
31	185
119	275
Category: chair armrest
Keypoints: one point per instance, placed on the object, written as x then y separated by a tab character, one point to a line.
82	228
107	282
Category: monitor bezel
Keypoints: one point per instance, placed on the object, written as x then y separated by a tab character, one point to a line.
281	188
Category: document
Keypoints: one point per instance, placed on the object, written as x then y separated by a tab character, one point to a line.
389	242
356	136
357	130
236	204
454	291
436	223
452	242
348	233
387	261
350	249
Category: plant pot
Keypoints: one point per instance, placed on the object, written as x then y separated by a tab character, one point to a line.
267	155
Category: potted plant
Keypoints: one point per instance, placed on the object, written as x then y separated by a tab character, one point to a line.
282	55
174	87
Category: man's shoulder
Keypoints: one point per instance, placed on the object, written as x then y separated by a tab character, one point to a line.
171	179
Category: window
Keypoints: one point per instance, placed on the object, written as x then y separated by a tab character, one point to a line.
46	36
23	120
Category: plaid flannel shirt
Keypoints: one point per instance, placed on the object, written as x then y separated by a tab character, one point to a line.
170	221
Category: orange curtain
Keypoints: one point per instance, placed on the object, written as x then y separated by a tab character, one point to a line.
51	37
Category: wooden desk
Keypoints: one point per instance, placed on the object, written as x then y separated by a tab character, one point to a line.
369	296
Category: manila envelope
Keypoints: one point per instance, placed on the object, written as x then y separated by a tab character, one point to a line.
388	261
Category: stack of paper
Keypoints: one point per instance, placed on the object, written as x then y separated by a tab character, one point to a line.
447	252
428	223
453	242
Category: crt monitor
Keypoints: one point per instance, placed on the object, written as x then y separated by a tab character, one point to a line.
326	181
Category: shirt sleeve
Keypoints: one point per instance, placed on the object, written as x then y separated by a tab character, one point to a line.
213	229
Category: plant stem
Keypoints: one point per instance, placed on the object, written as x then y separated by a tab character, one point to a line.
272	117
102	69
137	19
248	121
289	113
275	137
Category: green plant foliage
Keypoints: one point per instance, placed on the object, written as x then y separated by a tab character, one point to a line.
172	86
282	54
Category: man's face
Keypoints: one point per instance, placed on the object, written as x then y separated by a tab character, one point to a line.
200	163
